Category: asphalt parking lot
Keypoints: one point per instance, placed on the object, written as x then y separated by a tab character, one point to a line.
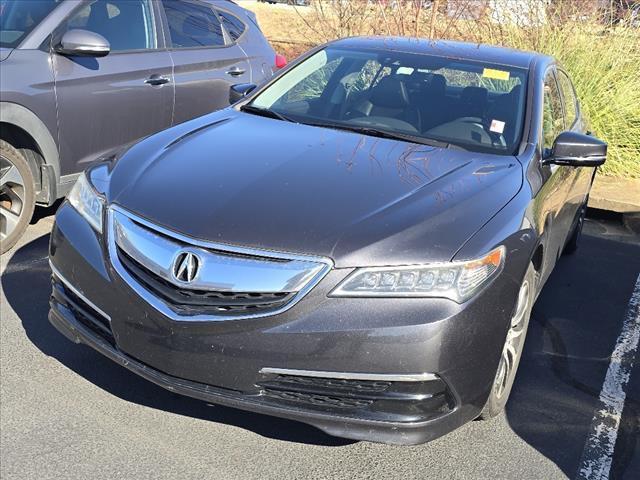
67	412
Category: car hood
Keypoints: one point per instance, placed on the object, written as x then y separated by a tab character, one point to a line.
241	179
4	53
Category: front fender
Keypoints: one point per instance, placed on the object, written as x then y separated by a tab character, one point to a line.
19	116
512	227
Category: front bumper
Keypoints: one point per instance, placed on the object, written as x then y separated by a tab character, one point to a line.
452	350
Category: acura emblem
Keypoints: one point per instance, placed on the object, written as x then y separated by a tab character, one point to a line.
185	267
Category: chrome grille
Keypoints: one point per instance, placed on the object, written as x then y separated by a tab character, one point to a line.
189	302
230	282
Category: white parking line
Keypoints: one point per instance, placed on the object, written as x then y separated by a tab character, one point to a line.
597	456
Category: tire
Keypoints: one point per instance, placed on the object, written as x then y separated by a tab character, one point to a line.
574	240
512	349
17	196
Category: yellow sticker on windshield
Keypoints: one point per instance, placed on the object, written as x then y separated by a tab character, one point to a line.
495	74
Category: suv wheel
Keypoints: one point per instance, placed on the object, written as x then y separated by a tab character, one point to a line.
512	350
17	196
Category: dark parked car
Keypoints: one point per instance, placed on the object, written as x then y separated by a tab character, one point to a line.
356	245
79	78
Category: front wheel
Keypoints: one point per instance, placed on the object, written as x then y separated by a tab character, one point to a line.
512	349
17	196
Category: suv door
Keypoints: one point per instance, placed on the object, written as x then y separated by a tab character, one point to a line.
245	32
107	102
206	61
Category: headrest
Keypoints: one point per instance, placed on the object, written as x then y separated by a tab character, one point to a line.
474	94
417	79
437	85
98	16
391	92
505	106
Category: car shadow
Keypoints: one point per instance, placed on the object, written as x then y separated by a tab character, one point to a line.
573	330
43	212
22	271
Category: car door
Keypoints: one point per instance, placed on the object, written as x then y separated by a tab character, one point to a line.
109	101
583	176
558	214
206	61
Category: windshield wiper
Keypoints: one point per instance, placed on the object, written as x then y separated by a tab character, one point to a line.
374	132
265	112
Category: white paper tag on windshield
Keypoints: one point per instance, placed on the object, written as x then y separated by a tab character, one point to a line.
497	126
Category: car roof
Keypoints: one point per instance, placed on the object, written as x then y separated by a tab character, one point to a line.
447	48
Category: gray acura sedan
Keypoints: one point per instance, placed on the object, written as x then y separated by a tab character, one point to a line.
356	244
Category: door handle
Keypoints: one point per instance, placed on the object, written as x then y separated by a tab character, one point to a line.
235	71
155	80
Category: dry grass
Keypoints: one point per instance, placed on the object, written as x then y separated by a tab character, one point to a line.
284	27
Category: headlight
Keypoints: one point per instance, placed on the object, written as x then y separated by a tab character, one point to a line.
87	202
458	281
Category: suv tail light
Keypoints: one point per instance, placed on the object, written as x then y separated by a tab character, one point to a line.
281	61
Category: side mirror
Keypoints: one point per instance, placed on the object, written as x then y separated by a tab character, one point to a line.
83	43
239	91
577	150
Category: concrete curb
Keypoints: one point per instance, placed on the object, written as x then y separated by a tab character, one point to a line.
619	195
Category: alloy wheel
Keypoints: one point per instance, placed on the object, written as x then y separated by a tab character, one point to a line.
12	197
513	343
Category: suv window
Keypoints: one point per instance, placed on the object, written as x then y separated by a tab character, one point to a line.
569	96
127	24
234	26
18	18
192	25
553	123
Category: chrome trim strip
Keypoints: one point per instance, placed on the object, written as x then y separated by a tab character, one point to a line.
218	271
77	292
163	308
387	377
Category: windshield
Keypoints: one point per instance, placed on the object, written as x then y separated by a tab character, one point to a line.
19	17
473	105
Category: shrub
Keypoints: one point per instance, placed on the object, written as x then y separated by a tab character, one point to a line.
603	60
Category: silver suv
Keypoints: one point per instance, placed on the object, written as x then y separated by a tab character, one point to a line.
79	78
